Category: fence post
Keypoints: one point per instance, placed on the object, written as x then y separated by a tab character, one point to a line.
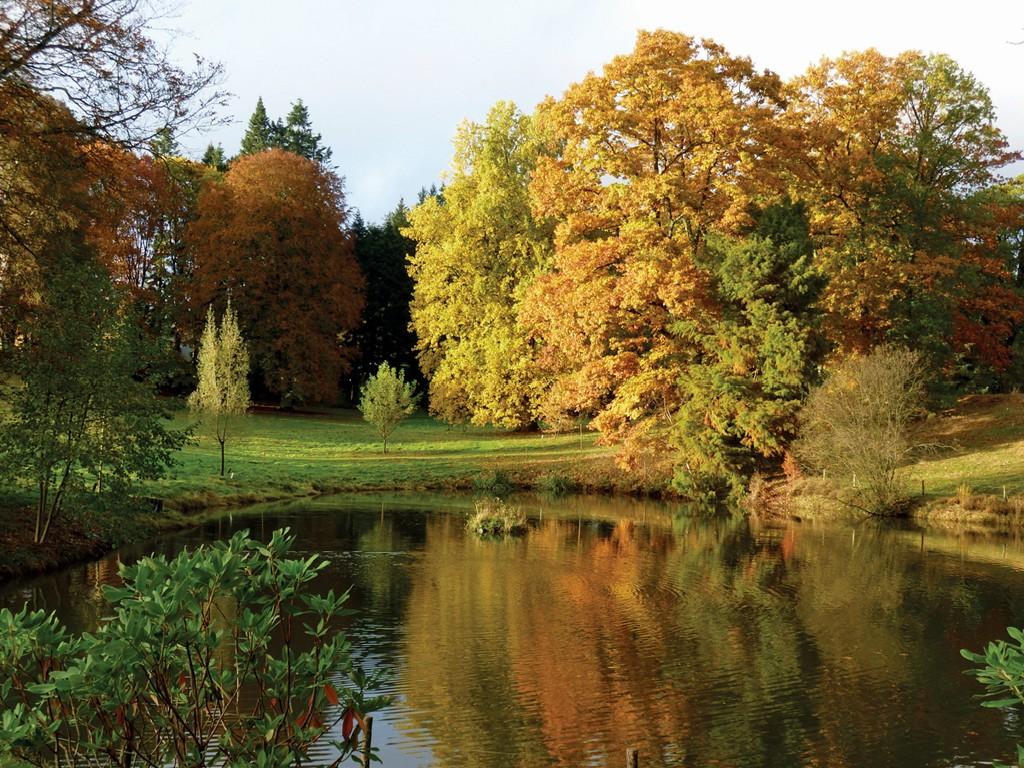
632	758
366	740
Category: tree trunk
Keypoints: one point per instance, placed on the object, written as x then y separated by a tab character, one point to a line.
385	446
40	510
221	457
46	526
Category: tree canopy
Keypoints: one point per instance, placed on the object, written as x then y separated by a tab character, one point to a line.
477	248
271	236
294	134
666	144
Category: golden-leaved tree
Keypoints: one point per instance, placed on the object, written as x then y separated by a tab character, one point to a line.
667	143
477	248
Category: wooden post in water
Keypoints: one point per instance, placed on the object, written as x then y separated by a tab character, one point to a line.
632	758
366	740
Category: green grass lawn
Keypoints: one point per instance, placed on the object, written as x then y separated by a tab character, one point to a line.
279	453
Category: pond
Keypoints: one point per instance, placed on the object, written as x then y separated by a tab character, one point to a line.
616	623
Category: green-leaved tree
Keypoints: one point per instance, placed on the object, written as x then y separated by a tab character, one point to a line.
261	133
757	356
222	391
83	422
386	399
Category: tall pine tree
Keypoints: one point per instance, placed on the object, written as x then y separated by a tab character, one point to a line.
298	137
260	134
294	135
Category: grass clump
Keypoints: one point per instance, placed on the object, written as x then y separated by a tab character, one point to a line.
496	482
556	484
494	517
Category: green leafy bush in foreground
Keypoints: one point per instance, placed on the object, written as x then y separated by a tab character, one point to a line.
493	517
1001	670
217	657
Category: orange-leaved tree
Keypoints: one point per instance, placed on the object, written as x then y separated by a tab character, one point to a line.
665	144
898	158
272	237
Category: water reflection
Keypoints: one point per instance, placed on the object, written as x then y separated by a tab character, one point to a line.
615	624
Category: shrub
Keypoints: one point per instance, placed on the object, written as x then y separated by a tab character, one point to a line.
1001	670
856	425
556	484
493	517
184	673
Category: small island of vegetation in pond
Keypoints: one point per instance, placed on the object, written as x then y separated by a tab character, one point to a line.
494	517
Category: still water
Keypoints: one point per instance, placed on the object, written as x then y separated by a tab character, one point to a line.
617	623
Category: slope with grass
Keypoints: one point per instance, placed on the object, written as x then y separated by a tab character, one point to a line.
969	470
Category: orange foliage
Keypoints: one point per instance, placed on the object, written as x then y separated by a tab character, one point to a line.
272	237
668	142
139	213
897	153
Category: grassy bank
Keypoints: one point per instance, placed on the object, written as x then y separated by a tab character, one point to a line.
976	456
279	455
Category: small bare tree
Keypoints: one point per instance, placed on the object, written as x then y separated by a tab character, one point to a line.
856	425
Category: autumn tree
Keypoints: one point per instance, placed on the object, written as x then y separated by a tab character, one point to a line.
757	359
272	236
45	185
221	396
143	205
898	158
477	249
71	74
386	399
666	144
100	60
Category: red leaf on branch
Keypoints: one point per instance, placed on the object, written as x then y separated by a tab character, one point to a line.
331	694
348	723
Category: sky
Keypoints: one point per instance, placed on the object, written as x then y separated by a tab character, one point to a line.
388	81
